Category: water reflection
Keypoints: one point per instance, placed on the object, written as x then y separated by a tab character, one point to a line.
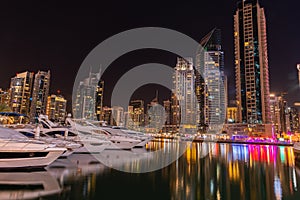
236	172
227	172
27	185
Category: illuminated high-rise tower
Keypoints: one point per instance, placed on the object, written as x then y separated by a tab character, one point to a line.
184	91
56	108
212	101
20	92
99	99
84	105
40	94
251	63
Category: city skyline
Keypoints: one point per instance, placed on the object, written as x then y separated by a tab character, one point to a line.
66	58
155	100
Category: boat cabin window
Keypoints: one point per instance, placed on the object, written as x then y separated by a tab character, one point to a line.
44	125
71	134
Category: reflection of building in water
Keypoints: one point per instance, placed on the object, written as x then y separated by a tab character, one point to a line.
229	170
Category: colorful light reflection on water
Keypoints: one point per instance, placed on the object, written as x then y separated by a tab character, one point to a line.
229	171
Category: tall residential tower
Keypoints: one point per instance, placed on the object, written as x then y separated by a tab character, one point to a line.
210	64
40	94
84	104
251	63
184	91
20	92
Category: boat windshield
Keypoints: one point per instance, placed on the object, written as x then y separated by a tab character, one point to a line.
6	133
83	122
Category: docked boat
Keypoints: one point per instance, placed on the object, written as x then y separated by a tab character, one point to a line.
18	151
118	139
136	135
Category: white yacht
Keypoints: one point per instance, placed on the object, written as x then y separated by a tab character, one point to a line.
136	135
17	151
54	130
70	145
118	139
63	136
119	133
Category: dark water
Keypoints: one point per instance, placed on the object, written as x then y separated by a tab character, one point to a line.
227	172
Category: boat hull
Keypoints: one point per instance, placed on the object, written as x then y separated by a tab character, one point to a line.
32	162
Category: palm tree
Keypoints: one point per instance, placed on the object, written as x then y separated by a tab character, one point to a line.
4	108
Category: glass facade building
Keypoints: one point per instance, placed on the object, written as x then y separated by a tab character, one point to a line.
40	94
251	63
184	91
210	88
20	92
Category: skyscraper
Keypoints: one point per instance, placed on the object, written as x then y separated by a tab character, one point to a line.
292	120
21	88
118	115
275	103
156	117
56	108
99	99
107	116
136	114
168	112
184	90
40	94
84	105
251	63
210	62
5	97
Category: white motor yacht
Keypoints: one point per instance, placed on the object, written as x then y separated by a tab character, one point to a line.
71	146
17	151
118	139
136	135
121	133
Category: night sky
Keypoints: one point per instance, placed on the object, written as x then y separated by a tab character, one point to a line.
59	35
